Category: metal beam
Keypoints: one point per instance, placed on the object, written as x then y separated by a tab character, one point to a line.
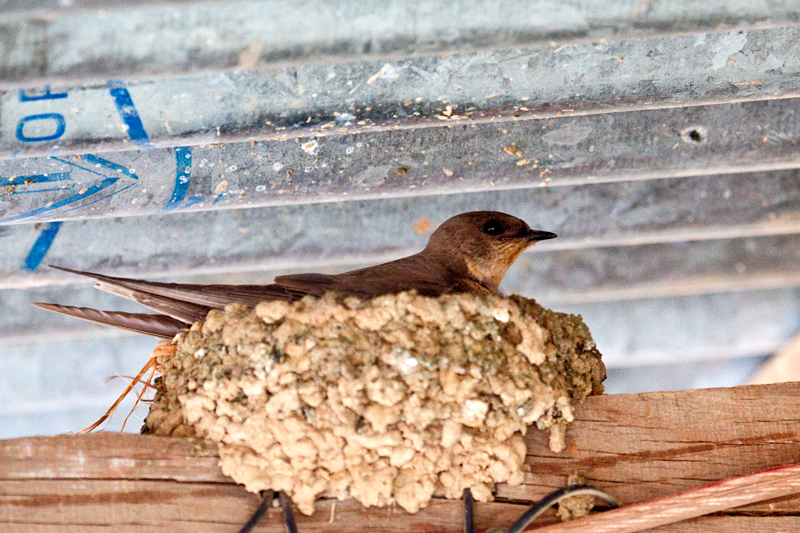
681	376
65	386
745	137
52	41
406	93
691	328
336	235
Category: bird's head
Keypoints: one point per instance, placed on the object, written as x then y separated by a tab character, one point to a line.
488	242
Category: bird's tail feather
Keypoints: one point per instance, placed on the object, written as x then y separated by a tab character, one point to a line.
207	296
161	326
181	304
177	309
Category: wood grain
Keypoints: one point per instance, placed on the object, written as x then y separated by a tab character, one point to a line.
637	447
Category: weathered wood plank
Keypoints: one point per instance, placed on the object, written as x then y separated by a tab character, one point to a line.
716	497
655	444
638	447
120	456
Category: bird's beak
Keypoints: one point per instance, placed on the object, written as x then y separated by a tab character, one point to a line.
535	235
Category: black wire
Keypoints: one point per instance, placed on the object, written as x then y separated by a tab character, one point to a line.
288	516
261	510
469	524
555	497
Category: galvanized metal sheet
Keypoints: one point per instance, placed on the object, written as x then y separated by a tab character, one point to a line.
413	92
59	386
417	112
464	158
250	245
692	328
565	277
332	235
682	376
89	39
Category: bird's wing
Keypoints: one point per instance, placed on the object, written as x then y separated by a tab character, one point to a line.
181	304
313	284
155	325
209	296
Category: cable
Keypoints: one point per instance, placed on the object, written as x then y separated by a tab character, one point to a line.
553	498
259	513
469	522
288	516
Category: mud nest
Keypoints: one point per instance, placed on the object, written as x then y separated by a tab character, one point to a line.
395	399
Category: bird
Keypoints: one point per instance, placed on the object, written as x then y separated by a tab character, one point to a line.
468	253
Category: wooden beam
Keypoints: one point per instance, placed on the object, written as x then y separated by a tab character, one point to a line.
637	447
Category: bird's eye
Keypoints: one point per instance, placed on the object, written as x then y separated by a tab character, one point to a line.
493	227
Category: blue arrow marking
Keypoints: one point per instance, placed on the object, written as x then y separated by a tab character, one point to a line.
85	193
99	161
36	178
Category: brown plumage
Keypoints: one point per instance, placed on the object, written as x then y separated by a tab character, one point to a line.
470	252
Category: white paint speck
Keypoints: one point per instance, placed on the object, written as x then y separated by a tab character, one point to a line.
310	147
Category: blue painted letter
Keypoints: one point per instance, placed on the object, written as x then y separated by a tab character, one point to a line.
61	126
46	96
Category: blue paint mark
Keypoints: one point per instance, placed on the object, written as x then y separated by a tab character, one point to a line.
194	200
36	178
183	177
55	189
219	197
124	102
41	246
85	193
99	161
98	199
61	127
66	201
24	97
